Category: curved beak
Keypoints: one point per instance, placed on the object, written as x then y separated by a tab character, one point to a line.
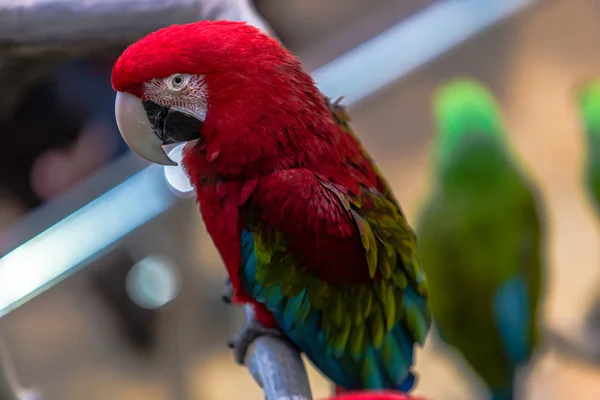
147	126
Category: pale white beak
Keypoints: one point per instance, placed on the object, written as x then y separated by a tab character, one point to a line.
137	131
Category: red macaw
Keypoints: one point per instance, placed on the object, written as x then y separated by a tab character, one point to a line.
309	231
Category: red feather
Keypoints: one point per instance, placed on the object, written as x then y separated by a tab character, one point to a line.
267	133
374	395
324	233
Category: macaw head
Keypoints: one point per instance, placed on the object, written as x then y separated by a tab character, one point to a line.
236	93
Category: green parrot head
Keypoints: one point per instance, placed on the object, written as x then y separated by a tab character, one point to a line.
470	143
588	101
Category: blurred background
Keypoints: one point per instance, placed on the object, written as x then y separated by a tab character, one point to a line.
110	287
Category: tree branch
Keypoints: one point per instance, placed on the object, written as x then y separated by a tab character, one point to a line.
579	347
277	367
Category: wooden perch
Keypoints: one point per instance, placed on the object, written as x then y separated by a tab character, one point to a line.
277	367
580	347
30	28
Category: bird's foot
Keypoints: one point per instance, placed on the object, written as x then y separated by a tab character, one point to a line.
251	331
28	394
227	291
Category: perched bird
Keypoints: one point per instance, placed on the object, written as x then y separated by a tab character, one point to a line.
588	100
480	239
309	231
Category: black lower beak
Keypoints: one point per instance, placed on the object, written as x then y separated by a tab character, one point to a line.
172	126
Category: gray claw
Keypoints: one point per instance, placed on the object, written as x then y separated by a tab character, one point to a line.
251	331
227	291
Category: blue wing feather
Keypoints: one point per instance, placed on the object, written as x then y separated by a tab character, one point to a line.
380	368
512	313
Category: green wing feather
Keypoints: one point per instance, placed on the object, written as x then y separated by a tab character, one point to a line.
390	249
465	267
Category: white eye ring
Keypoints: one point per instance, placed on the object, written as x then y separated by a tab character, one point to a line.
177	81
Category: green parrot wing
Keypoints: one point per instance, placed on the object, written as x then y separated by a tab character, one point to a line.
485	285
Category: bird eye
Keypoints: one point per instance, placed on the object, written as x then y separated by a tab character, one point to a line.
177	81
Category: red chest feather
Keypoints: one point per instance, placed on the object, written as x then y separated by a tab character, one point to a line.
221	208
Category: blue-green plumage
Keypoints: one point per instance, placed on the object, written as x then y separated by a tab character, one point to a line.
512	309
368	368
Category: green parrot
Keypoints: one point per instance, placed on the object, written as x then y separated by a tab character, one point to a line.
481	240
588	98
